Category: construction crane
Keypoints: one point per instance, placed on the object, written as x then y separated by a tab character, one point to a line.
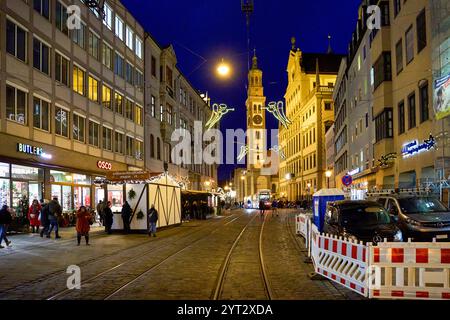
247	7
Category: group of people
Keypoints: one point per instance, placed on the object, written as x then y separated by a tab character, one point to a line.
45	214
195	210
107	217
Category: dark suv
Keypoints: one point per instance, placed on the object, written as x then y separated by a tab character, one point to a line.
365	221
420	217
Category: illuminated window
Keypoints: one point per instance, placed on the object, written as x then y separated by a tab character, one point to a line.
119	27
138	115
118	103
93	89
78	80
129	37
106	97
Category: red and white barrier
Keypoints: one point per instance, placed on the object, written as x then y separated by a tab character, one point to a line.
340	260
410	270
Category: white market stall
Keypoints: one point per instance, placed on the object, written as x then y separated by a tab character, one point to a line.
143	189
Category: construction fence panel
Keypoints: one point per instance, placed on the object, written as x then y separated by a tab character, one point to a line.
413	270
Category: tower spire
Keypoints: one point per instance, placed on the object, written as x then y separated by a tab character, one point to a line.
330	49
254	60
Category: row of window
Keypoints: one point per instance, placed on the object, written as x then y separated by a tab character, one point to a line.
16	45
16	110
411	101
121	30
421	32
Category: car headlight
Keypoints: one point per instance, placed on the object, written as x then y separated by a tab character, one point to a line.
398	236
413	222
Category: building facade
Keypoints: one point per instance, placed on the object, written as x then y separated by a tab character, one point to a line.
402	80
354	95
71	101
309	105
395	138
173	103
75	102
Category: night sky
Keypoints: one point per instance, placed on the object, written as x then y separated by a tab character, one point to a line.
216	29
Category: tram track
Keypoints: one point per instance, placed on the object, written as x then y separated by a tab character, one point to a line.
222	277
140	275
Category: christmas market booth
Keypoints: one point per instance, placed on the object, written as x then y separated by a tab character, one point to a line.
142	189
199	204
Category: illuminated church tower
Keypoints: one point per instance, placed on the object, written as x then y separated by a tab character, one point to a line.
256	118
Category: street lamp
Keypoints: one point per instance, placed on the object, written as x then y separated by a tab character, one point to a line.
328	175
223	69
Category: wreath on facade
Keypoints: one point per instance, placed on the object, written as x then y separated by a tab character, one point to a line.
131	194
140	215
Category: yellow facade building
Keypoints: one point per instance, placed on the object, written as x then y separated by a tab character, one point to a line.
309	105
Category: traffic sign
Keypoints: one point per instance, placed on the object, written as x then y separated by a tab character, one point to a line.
347	180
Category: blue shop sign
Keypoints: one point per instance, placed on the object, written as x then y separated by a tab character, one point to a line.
413	148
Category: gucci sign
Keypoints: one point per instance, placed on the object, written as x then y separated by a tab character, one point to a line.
104	165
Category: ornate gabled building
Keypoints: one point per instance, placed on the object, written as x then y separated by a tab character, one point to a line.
309	105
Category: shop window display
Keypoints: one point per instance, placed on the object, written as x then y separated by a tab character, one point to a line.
4	192
115	195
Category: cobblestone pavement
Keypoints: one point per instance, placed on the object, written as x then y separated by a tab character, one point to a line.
181	263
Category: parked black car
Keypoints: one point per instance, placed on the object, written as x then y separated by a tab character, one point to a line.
420	217
365	221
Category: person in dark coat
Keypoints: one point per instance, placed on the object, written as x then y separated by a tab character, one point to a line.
55	211
45	222
100	206
261	208
109	217
5	221
126	216
152	219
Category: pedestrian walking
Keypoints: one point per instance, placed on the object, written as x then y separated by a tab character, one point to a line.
5	221
33	216
261	208
275	207
45	222
126	216
109	217
152	219
100	207
54	212
83	226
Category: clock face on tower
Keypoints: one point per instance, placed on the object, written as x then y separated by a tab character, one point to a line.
257	120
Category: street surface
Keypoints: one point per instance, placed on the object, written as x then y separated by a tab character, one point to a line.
238	256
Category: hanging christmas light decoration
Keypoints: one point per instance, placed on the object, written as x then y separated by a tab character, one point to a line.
278	150
218	111
243	153
277	109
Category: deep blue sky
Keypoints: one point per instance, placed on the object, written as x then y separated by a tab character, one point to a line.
216	29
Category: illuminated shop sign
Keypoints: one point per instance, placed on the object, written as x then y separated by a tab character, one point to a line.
32	150
353	172
413	148
104	165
